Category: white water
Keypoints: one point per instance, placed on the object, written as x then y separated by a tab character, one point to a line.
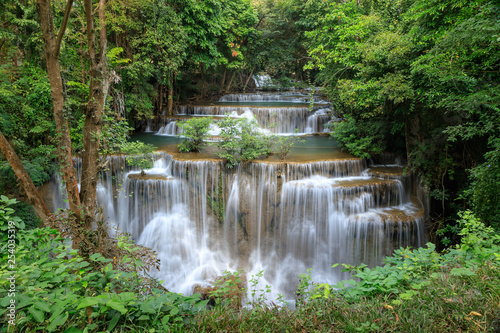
171	129
317	121
282	219
288	118
271	97
276	119
263	81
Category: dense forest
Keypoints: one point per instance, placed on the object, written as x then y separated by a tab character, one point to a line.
416	79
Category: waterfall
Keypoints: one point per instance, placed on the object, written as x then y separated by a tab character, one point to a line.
318	208
171	129
262	81
276	119
271	97
282	218
317	121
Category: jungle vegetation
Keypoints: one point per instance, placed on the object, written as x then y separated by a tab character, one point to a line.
415	78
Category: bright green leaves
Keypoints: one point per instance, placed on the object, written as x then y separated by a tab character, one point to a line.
195	132
139	154
242	140
56	290
408	273
427	73
361	138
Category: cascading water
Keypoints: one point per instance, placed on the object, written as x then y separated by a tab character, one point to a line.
294	97
171	129
317	121
262	81
285	119
283	112
277	217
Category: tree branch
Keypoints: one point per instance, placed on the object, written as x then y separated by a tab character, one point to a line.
34	197
64	24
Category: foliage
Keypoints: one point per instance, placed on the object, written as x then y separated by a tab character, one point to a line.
360	138
139	154
279	49
9	221
228	290
26	118
283	144
57	290
419	78
27	214
407	271
242	141
195	132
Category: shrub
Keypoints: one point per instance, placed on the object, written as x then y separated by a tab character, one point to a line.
283	144
361	138
140	154
242	141
58	290
195	132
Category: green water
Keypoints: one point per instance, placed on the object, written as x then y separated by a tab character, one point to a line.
156	140
313	148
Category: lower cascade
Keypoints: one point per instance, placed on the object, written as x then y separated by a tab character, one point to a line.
279	218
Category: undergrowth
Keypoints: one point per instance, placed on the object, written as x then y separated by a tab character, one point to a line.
46	286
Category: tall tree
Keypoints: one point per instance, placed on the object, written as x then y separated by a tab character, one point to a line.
92	130
52	47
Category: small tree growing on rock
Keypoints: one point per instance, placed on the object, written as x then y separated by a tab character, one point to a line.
195	132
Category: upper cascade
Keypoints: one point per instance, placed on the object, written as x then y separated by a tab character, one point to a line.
283	119
284	112
290	97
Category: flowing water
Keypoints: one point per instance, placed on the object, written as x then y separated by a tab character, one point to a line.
279	112
319	207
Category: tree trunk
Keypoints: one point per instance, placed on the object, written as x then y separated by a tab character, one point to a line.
170	99
92	131
221	88
229	82
160	104
248	79
34	197
52	47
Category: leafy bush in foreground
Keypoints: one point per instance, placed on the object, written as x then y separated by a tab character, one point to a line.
56	290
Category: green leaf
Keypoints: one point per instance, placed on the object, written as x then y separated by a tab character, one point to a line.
117	305
42	306
113	322
462	272
5	301
37	314
146	307
73	329
174	311
57	321
87	302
